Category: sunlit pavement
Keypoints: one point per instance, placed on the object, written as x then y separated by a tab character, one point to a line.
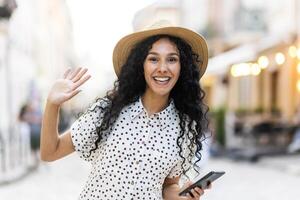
272	178
59	180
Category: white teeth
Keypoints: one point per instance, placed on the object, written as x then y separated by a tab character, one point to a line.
162	78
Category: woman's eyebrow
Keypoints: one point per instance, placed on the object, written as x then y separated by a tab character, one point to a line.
170	54
174	54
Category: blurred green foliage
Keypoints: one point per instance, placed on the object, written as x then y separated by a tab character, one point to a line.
219	118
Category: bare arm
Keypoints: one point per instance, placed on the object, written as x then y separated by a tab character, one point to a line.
53	145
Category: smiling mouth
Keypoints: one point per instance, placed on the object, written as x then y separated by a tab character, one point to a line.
162	80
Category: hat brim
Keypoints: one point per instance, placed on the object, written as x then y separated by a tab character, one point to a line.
195	40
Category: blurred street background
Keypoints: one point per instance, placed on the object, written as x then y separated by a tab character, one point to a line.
252	87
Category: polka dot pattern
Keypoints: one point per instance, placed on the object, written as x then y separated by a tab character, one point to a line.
134	159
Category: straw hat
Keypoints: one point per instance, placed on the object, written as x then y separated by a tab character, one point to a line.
124	46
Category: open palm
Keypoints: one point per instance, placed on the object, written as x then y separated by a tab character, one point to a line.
66	88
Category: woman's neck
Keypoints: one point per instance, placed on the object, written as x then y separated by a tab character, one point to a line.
154	103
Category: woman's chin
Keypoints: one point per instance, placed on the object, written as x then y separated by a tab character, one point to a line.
162	92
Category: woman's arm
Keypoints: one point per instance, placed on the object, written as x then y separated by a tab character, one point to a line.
53	145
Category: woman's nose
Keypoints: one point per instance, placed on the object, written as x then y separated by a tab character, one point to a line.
163	67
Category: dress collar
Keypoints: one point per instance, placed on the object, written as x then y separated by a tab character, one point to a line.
165	117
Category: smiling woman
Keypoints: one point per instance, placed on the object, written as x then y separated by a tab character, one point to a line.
141	137
161	68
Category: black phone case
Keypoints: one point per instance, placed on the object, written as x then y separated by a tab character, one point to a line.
203	182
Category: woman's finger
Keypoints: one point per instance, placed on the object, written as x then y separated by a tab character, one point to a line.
190	196
79	75
209	185
73	73
199	191
67	73
196	195
81	81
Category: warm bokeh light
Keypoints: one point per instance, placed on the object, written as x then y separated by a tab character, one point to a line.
279	58
245	69
263	62
234	71
251	86
293	51
255	69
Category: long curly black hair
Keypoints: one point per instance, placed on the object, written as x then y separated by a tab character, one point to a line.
186	94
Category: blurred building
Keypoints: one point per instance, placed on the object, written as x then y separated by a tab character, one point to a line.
256	79
36	48
6	10
187	13
253	68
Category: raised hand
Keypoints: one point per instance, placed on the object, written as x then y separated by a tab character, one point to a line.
67	87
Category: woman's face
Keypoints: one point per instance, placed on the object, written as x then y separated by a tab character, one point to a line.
162	67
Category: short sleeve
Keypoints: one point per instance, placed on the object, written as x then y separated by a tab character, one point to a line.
83	130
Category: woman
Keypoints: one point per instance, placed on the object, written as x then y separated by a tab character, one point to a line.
141	137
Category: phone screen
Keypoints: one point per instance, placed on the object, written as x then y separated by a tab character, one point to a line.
203	182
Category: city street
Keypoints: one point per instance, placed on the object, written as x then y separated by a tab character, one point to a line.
239	58
273	178
62	179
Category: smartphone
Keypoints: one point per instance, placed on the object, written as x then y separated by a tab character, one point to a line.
202	182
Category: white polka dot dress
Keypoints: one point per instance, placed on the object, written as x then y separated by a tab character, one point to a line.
133	160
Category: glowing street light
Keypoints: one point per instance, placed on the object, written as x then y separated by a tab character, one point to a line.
245	69
293	51
263	62
279	58
235	70
255	69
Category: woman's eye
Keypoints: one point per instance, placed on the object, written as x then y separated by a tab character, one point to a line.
173	59
153	59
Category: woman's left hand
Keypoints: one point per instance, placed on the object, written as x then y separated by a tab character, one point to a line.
172	192
196	192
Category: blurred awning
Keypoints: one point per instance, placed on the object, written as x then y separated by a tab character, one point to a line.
220	64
